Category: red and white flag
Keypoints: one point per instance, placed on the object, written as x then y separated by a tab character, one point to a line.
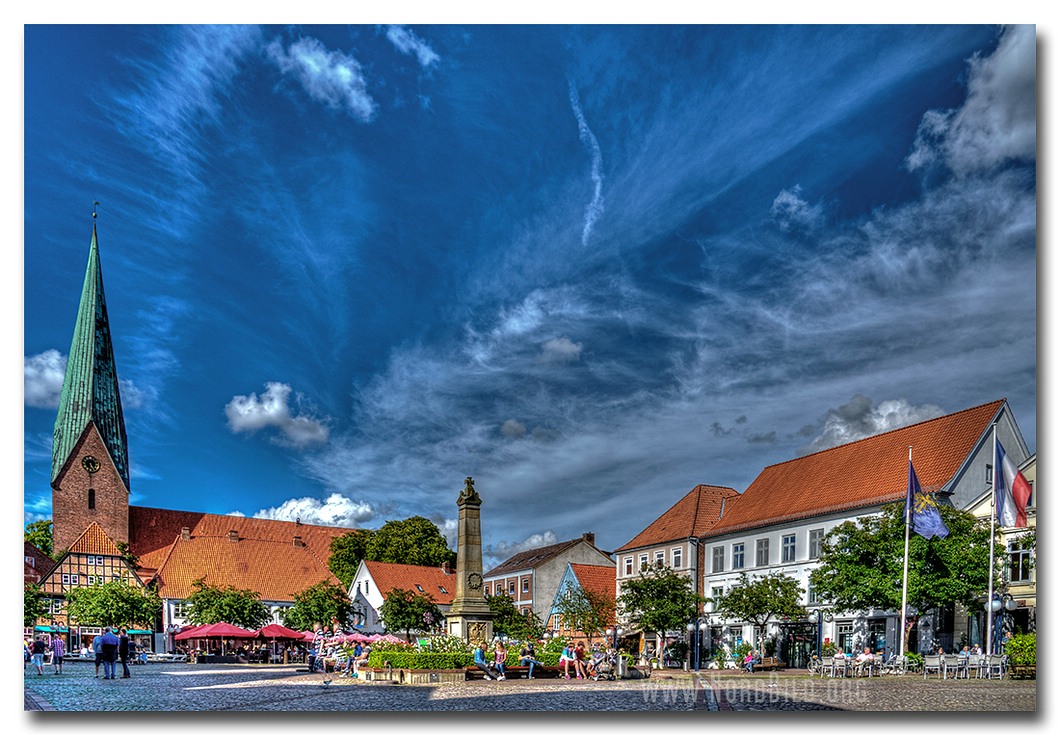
1012	491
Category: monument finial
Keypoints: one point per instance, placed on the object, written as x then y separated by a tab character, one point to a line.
468	493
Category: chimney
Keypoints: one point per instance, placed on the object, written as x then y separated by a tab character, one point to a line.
589	538
185	534
233	535
298	542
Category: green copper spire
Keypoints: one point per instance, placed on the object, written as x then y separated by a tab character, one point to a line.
90	386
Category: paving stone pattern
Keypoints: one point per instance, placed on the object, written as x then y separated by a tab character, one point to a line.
256	688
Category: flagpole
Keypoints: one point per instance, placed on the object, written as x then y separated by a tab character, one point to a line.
905	564
990	581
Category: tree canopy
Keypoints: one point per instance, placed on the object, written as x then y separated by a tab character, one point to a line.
861	562
659	599
414	540
347	551
408	611
32	605
115	604
586	611
509	621
757	599
39	533
321	603
216	604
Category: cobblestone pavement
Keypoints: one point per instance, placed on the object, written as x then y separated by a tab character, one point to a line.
168	687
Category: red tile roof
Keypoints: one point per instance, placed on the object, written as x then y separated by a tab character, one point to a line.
94	540
600	580
693	515
433	580
152	531
863	473
42	563
276	570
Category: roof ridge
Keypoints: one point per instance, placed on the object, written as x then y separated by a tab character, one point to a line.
246	518
1000	401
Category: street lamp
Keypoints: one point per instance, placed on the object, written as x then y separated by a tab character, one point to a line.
818	620
613	635
696	630
1000	602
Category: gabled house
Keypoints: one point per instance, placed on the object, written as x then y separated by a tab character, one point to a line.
672	539
599	584
36	564
532	577
374	580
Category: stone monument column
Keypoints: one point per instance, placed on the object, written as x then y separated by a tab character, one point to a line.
469	616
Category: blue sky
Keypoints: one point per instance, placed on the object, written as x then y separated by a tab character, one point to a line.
591	266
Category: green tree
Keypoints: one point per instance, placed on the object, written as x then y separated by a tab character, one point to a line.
115	604
861	562
759	599
586	611
409	611
510	621
217	604
412	541
320	603
32	606
347	551
659	599
39	533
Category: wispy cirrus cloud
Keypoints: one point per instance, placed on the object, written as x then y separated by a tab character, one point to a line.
251	413
410	44
595	207
330	77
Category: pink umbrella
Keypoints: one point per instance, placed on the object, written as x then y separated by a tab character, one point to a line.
278	631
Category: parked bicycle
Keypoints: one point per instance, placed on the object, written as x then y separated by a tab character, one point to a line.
815	667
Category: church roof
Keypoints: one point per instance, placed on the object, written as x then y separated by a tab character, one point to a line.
276	570
152	532
90	385
693	515
863	473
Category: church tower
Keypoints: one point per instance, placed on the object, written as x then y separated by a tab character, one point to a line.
90	455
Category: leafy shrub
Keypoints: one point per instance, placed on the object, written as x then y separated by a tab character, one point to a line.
445	644
1022	650
410	658
828	649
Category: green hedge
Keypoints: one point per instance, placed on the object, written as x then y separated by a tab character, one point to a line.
413	659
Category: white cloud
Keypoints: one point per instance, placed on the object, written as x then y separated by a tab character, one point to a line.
513	429
560	350
793	213
505	550
330	77
410	44
43	378
251	413
596	206
858	418
336	510
997	122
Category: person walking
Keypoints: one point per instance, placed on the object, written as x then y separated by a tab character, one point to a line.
58	651
108	647
39	647
123	653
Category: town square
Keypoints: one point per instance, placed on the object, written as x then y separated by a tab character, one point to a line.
676	368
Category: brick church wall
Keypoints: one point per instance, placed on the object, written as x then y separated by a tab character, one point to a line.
70	495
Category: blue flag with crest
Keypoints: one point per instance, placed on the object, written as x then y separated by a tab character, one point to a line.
921	509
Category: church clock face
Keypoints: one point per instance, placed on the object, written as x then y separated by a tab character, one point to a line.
90	463
474	580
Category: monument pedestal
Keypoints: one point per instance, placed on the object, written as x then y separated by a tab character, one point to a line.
469	617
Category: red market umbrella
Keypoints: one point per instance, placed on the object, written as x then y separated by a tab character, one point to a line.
274	630
215	630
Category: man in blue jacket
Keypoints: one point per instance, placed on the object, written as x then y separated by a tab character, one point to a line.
108	646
